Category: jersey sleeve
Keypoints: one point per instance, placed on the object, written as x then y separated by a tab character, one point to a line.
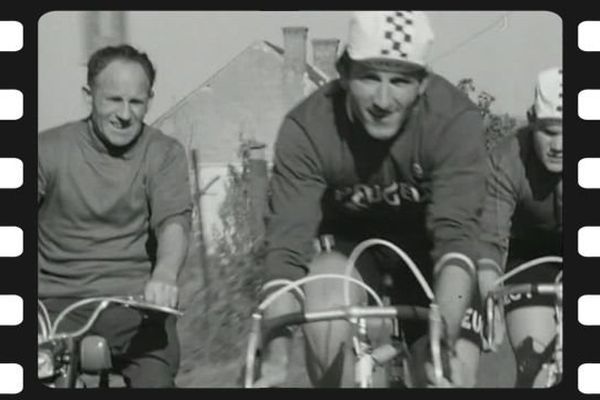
294	207
457	189
169	189
499	206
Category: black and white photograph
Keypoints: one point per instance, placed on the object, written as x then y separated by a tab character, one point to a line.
300	199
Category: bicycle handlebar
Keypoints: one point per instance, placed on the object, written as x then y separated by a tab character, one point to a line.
403	312
496	295
127	301
141	303
553	289
263	330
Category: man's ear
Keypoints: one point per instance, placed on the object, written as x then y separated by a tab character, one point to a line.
87	94
150	98
531	115
342	68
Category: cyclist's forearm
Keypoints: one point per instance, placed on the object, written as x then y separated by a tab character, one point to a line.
453	291
172	249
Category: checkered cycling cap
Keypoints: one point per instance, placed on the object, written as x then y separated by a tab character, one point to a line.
547	102
390	35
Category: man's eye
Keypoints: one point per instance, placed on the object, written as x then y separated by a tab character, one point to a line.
400	81
551	133
370	78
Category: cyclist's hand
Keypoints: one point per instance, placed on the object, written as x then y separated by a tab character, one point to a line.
161	293
499	330
486	278
456	380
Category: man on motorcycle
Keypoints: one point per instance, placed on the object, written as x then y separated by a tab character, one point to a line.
114	212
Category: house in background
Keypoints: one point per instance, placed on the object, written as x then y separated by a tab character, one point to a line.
246	100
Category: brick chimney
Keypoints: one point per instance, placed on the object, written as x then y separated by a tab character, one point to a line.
294	46
104	28
325	56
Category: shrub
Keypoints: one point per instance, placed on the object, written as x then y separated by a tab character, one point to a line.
215	326
497	126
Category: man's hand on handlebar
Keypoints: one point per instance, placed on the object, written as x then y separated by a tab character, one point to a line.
274	365
277	352
457	371
486	279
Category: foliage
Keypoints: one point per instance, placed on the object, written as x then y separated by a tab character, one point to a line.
216	322
497	126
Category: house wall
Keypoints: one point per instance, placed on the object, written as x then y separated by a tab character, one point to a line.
245	100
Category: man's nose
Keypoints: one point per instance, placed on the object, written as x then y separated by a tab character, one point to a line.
124	113
557	144
383	97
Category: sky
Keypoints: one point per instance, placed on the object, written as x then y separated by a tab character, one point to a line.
502	51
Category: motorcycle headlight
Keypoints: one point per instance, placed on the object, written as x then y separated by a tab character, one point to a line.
45	364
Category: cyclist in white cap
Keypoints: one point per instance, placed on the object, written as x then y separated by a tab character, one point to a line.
522	220
393	151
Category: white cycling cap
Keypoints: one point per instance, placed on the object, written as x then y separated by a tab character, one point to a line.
404	36
547	102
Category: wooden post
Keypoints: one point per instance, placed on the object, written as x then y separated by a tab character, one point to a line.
199	221
257	173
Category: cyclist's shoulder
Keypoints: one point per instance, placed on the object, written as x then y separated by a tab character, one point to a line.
318	108
159	146
55	145
443	101
315	120
513	150
62	134
158	138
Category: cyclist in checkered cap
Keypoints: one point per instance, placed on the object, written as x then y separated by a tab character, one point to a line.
522	220
393	151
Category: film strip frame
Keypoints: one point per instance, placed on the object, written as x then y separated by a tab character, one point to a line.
17	192
12	193
588	173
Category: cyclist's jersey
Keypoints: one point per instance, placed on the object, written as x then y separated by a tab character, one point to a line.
425	186
523	208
